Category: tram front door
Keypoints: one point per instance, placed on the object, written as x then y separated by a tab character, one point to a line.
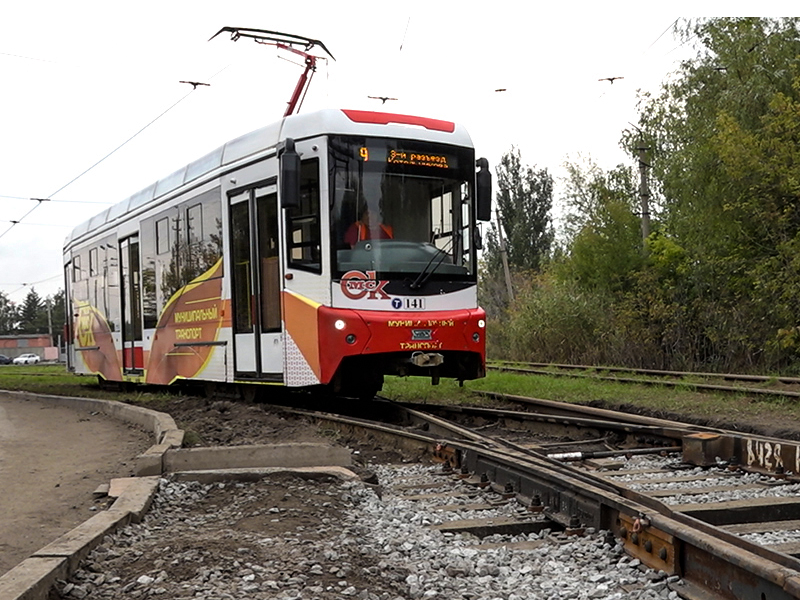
256	293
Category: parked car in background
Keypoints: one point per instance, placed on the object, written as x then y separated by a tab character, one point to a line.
4	360
26	359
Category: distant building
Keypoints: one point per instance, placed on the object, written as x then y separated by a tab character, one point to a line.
36	343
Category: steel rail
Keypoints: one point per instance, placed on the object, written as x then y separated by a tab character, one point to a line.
686	384
656	372
715	563
606	420
652	382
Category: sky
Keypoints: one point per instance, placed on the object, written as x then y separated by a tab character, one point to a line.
92	109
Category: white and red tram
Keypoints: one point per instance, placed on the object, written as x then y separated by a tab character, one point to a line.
330	248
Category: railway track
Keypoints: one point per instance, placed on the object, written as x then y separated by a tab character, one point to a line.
760	385
665	490
671	492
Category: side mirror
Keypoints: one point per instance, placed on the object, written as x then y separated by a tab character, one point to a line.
289	175
484	181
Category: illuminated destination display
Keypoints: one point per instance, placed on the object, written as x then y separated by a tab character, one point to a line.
408	157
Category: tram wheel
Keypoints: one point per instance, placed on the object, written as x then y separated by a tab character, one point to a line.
248	393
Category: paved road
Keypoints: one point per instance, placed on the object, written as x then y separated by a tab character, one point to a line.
51	460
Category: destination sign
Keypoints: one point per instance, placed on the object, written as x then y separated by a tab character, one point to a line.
408	157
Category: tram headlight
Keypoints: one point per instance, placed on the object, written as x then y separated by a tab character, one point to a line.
476	337
481	323
339	324
350	339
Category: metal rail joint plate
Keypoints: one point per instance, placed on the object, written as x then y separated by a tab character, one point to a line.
655	548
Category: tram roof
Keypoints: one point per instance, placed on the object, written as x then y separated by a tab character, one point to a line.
321	122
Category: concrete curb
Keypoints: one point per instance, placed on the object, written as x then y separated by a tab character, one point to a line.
131	506
166	433
301	454
250	475
33	577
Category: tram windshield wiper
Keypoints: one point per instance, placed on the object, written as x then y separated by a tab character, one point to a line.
425	274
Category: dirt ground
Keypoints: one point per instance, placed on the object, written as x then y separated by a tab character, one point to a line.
46	488
209	422
51	461
771	424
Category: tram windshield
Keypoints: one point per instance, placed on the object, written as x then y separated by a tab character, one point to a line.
402	208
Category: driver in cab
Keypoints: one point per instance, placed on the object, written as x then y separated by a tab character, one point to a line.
367	227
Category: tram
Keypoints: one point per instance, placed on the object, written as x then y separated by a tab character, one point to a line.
331	248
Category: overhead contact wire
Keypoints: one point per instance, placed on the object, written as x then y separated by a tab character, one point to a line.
74	179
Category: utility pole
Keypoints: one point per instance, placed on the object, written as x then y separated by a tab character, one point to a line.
644	192
48	304
504	257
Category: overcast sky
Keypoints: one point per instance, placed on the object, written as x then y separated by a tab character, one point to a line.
81	78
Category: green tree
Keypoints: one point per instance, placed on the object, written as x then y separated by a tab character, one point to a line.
9	317
524	204
725	134
58	312
603	235
33	314
741	65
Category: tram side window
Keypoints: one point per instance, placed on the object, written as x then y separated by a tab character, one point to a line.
178	245
76	268
303	222
93	267
150	245
442	221
201	243
80	287
193	250
466	226
97	277
93	283
243	318
268	253
194	224
112	284
162	236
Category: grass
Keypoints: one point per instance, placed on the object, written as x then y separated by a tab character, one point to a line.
54	379
47	379
737	410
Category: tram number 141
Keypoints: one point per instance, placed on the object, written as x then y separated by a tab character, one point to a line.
409	303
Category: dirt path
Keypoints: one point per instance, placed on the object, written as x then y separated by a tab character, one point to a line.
51	460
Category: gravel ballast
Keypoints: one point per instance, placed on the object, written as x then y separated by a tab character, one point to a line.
285	537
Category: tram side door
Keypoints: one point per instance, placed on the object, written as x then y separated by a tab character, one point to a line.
131	298
256	292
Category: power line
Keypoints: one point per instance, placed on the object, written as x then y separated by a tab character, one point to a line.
25	57
25	285
40	200
74	179
32	283
52	200
671	25
36	224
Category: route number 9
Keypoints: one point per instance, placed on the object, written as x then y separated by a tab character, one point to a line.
364	152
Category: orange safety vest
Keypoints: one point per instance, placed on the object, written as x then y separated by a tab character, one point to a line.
363	232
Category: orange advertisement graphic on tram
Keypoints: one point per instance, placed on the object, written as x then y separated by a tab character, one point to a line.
187	328
94	342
